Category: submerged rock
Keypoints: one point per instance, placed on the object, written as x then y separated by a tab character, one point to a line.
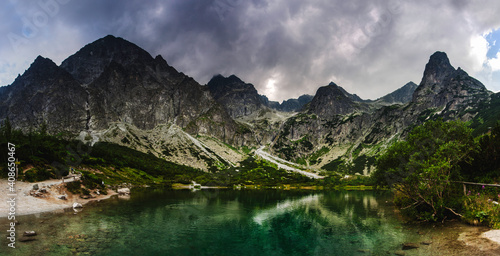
400	253
409	246
364	250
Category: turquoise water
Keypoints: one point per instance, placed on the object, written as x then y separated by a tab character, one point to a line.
222	222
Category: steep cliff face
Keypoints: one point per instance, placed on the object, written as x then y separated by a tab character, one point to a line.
45	94
348	133
113	90
89	63
448	90
112	81
294	105
239	98
402	95
331	101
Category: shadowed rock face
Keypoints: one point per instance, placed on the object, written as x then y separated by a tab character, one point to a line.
242	99
331	101
239	98
45	94
336	120
89	62
444	86
293	105
111	80
402	95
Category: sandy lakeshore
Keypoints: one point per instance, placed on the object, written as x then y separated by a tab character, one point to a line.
26	204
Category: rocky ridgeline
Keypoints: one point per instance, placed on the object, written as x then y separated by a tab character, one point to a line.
354	132
112	90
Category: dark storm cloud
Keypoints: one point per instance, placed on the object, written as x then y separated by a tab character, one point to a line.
284	47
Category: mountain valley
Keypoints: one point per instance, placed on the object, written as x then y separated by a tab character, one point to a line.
113	91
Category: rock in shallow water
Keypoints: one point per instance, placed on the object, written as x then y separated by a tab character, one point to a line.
400	253
29	233
124	191
409	246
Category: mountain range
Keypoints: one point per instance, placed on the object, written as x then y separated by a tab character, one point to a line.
112	90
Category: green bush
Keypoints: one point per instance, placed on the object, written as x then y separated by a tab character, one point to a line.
85	191
38	174
422	167
481	208
74	187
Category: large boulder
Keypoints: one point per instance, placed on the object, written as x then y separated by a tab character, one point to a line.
124	191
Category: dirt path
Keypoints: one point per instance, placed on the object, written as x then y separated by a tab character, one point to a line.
283	164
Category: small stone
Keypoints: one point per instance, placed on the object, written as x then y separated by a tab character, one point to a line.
400	253
29	233
35	187
409	246
77	205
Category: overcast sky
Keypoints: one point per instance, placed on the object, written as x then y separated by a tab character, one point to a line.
286	48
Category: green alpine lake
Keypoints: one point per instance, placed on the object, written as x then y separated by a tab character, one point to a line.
230	222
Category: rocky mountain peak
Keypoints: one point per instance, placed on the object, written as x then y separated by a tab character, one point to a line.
42	69
90	61
330	101
45	93
239	98
444	86
42	61
438	67
402	95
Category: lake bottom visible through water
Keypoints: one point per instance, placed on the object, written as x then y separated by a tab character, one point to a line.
242	222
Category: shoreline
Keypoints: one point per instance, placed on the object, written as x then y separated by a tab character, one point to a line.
27	204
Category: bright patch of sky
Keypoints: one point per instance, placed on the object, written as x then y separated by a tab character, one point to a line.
493	39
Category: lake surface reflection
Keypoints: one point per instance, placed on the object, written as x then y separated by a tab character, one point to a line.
223	222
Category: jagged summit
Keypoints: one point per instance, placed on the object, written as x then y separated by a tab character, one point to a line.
224	82
438	67
353	97
239	98
445	87
108	81
45	93
40	60
330	101
293	105
402	95
40	70
90	61
113	90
